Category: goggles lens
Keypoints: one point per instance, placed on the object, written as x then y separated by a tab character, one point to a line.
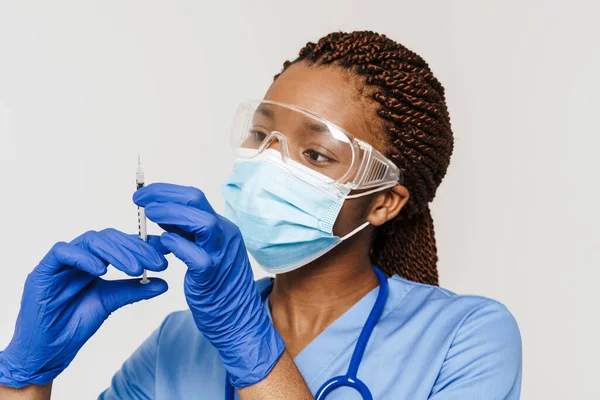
297	135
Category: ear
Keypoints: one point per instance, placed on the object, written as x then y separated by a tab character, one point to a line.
386	205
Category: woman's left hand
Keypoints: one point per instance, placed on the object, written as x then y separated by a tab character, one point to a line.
219	284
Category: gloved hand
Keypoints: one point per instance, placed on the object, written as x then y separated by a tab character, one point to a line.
219	284
64	301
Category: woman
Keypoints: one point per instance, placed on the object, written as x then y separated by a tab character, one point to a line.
336	167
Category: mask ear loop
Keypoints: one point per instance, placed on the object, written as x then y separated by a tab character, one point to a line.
354	196
355	231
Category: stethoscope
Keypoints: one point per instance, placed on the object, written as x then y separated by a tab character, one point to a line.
350	379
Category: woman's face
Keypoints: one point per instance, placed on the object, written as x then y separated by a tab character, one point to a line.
337	96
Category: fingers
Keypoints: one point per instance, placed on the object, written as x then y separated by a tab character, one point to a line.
203	226
116	294
199	263
154	241
172	228
169	193
126	253
65	254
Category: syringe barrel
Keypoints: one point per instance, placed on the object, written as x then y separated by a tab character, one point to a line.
142	233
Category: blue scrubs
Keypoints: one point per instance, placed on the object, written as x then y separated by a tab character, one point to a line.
428	344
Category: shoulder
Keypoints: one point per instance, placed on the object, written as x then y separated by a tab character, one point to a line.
475	340
469	314
429	294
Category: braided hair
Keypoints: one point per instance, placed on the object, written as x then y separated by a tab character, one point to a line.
415	124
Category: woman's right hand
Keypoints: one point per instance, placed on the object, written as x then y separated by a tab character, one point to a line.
65	301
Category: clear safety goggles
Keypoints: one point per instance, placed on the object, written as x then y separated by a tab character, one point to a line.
313	142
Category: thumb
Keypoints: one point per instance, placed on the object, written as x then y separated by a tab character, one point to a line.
119	293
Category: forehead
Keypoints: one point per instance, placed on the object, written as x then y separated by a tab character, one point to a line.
328	92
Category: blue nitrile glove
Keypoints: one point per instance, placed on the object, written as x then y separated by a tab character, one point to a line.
219	284
64	301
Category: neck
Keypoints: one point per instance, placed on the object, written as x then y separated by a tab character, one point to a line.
305	301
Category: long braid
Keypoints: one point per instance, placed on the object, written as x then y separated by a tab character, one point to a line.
419	139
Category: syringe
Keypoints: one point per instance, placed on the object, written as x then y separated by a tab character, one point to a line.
139	183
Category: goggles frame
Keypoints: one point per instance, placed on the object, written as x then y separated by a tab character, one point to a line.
375	169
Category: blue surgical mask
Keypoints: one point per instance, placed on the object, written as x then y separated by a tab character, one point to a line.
284	210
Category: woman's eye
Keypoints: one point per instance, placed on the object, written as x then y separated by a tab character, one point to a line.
316	157
257	135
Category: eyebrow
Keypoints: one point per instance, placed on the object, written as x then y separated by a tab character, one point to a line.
319	128
265	111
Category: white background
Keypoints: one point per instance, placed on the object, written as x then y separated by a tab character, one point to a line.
86	85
